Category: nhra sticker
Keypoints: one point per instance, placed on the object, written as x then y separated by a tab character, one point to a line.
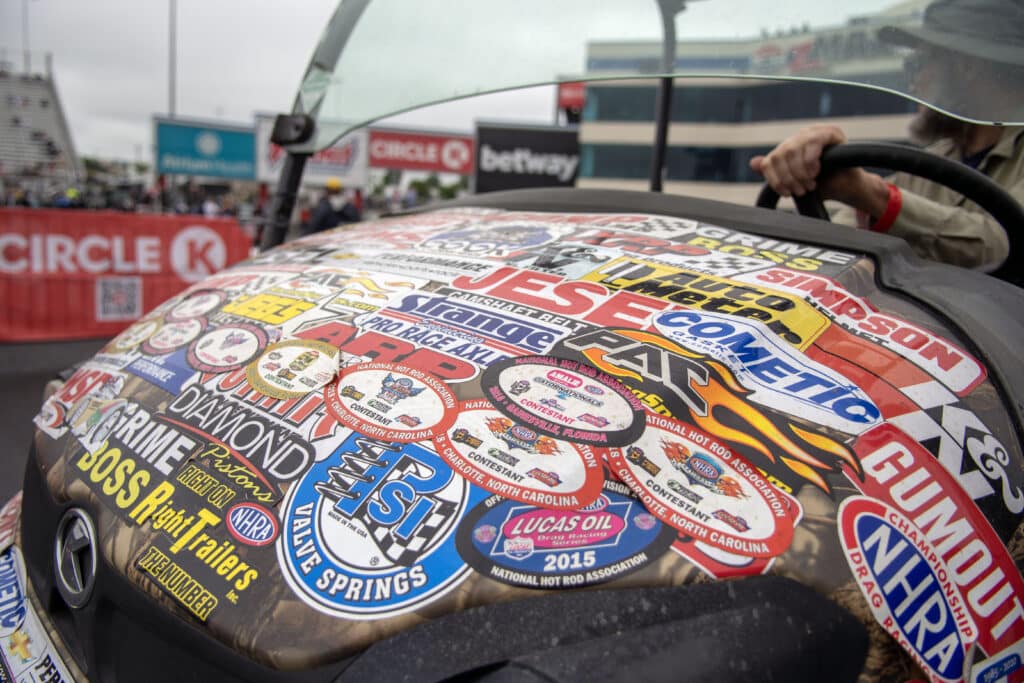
226	348
565	399
909	589
197	304
518	462
704	490
292	369
369	531
391	401
173	335
526	545
251	524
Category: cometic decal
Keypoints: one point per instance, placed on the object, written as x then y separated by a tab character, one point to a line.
565	399
696	484
519	462
536	547
369	531
907	587
391	401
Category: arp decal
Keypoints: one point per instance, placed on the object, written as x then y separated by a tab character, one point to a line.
535	547
564	399
791	318
518	462
901	474
251	524
173	335
293	368
196	304
907	587
391	401
493	239
941	359
227	348
777	375
697	485
369	531
673	381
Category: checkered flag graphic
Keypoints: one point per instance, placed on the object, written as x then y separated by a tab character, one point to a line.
719	263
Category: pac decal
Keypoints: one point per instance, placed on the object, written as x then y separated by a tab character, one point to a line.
526	545
519	462
565	399
369	531
391	401
703	489
293	368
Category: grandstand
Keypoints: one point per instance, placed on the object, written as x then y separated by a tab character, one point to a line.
35	141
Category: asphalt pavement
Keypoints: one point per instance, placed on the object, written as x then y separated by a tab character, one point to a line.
24	371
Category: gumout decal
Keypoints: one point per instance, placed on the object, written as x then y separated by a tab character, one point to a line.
518	461
535	547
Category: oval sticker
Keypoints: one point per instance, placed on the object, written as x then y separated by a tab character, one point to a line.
293	368
251	524
197	303
173	335
226	348
519	462
698	485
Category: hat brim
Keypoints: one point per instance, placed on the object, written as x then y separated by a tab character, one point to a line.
974	47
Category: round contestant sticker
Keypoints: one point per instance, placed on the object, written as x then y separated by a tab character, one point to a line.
518	462
699	486
173	335
565	399
197	304
391	401
134	335
293	368
226	348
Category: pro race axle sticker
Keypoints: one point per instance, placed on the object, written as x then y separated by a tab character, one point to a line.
565	399
517	461
369	531
526	545
699	486
391	401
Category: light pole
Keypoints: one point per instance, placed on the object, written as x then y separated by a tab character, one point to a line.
24	36
172	57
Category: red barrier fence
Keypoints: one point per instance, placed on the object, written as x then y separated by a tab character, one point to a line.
67	274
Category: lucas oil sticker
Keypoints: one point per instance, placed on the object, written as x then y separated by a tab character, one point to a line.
369	531
704	490
565	399
391	401
293	368
518	462
908	587
526	545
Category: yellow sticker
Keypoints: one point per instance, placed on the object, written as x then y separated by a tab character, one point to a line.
293	368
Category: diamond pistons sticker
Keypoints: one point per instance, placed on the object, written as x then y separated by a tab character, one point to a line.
702	488
293	368
565	399
517	461
391	401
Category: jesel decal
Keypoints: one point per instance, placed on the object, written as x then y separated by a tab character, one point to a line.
565	399
907	587
515	461
525	545
694	483
368	532
391	401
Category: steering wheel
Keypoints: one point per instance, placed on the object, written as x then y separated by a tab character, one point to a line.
961	178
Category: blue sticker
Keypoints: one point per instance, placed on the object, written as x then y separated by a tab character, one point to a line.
168	372
535	547
12	597
369	531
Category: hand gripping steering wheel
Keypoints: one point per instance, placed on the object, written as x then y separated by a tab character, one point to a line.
973	184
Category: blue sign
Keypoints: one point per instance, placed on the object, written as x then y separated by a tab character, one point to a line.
205	150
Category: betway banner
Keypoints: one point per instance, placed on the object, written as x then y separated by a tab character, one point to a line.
511	157
68	274
345	160
421	151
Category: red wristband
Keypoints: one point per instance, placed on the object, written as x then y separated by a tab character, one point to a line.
892	210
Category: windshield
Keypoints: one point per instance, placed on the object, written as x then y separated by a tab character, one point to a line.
384	57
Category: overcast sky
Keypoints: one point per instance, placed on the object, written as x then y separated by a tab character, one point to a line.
238	57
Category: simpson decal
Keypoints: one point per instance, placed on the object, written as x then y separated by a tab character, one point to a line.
565	399
227	348
535	547
172	335
908	587
700	487
778	375
292	369
516	461
391	401
369	531
197	304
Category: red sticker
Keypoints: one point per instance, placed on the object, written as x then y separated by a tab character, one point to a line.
391	401
518	462
699	486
